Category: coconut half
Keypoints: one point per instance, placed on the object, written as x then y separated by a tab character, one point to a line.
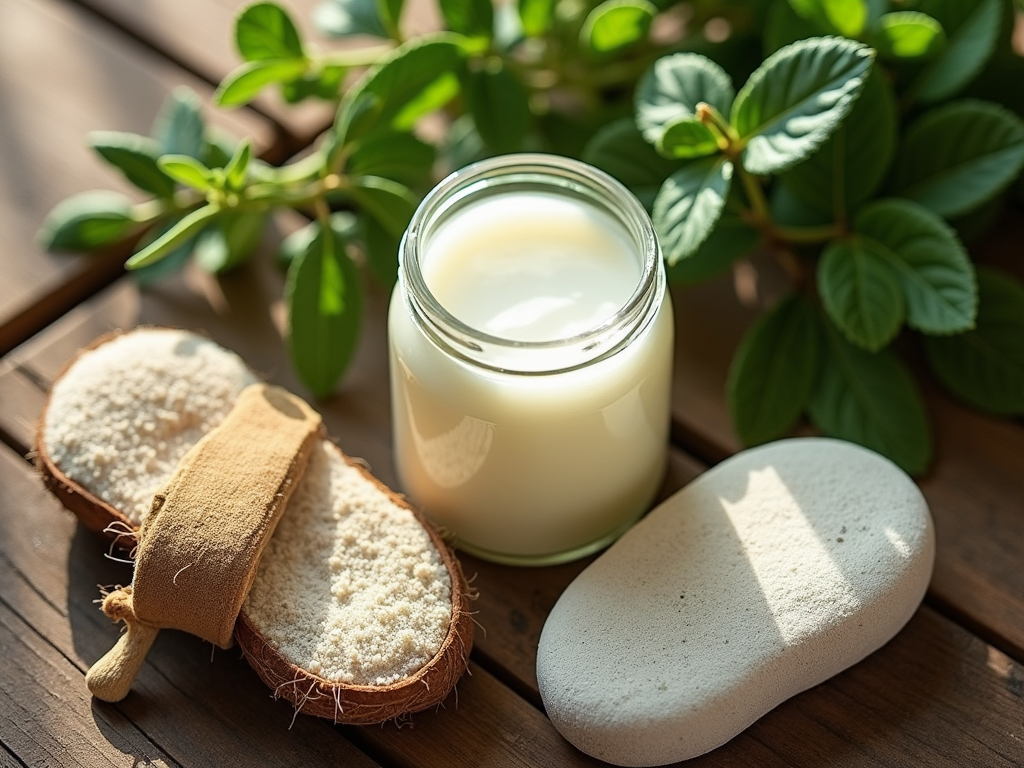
359	611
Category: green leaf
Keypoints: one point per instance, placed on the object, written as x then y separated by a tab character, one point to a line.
390	203
135	156
619	150
230	240
685	138
985	366
413	80
179	127
536	16
347	18
187	227
847	17
473	18
673	88
958	156
972	28
381	248
86	221
344	224
617	24
394	155
688	205
908	35
170	264
265	32
324	301
390	12
185	170
218	148
500	107
729	240
871	399
796	99
850	166
935	274
784	26
235	170
244	84
860	292
774	371
323	84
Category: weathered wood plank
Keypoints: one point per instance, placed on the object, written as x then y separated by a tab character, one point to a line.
46	716
62	74
201	710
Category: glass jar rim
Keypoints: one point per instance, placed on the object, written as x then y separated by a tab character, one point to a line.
555	173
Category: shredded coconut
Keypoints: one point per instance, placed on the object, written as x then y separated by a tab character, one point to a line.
124	415
362	570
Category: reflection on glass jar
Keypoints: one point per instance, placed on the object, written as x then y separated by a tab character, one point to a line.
531	344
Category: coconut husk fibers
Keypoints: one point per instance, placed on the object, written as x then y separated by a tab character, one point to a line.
308	692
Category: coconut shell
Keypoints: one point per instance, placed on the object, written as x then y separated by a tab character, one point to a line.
309	693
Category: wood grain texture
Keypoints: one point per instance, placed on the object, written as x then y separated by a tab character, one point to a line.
85	77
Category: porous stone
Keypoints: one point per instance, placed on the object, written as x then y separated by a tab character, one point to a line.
763	577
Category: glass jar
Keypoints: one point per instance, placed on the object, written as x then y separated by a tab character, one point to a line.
531	338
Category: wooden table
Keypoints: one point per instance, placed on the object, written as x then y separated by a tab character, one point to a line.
948	690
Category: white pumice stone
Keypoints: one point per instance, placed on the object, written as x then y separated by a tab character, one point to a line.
765	576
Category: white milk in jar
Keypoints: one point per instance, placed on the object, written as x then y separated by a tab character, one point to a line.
531	348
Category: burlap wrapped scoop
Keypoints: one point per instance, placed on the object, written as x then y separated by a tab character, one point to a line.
357	611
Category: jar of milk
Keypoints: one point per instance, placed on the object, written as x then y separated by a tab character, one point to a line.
530	342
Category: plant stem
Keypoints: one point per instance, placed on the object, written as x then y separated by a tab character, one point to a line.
755	194
807	235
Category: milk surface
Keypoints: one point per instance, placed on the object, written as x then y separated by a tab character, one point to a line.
529	466
530	266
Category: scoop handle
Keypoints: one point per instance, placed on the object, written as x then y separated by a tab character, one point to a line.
110	678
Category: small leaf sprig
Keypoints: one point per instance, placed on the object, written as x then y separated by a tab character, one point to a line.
842	167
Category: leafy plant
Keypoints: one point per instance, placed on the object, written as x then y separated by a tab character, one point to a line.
833	157
841	154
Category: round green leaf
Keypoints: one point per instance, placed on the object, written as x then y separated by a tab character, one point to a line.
324	301
908	35
860	292
972	28
796	99
473	18
687	137
265	31
136	157
872	400
689	204
179	127
617	24
847	17
673	88
851	164
774	371
958	156
245	83
346	18
936	276
500	107
230	240
985	366
729	240
86	221
619	150
413	80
